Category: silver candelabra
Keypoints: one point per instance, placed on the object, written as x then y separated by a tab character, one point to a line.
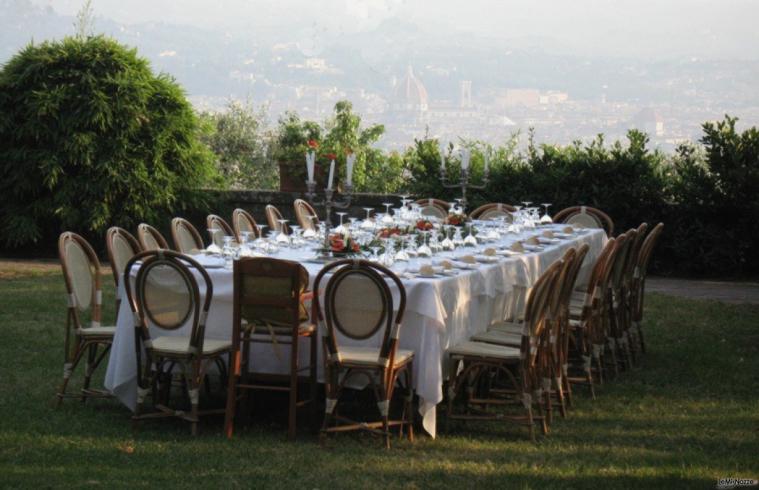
329	202
464	180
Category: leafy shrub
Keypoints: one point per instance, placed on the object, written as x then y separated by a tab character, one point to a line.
89	137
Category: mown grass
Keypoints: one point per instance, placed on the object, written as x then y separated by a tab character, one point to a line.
685	417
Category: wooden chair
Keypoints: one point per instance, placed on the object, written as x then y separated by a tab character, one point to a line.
186	237
585	319
437	208
305	215
81	273
613	302
243	221
214	222
164	297
150	238
585	216
272	218
639	282
474	364
268	308
358	304
493	210
121	246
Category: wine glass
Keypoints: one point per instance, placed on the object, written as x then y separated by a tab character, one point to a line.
424	250
282	236
546	219
470	240
214	246
340	228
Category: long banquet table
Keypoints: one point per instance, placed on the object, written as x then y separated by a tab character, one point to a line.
440	312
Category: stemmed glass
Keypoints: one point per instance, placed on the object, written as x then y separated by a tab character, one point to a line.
387	218
282	236
341	228
470	240
546	219
424	250
228	251
367	224
213	247
245	245
447	243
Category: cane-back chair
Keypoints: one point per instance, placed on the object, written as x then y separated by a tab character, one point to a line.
269	297
218	228
272	218
627	287
242	222
639	281
358	306
587	217
150	238
81	273
493	211
121	246
186	238
436	208
165	297
305	215
475	364
585	323
612	302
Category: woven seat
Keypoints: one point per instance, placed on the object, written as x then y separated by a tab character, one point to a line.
508	327
165	296
368	356
358	303
81	274
485	350
181	345
499	337
303	328
98	332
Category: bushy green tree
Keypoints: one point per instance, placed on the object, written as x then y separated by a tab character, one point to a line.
239	139
90	137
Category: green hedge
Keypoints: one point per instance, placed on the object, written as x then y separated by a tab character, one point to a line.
706	194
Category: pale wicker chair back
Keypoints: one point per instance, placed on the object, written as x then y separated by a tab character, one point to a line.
305	215
272	218
214	222
243	221
436	208
81	273
150	238
186	237
493	210
640	272
121	246
358	303
587	217
165	295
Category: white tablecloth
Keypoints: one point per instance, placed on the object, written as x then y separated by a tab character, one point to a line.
439	313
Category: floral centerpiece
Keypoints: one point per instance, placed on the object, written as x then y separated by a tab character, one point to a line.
343	244
424	225
456	218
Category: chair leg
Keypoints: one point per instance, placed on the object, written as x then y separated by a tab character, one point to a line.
640	337
313	388
68	370
452	388
193	391
233	376
410	415
88	368
293	398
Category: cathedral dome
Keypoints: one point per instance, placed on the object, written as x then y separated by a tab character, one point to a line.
410	94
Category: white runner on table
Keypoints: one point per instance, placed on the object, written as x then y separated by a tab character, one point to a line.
440	312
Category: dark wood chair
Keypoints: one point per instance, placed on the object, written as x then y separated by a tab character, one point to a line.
306	215
221	229
81	273
269	297
272	218
639	282
243	221
358	304
165	297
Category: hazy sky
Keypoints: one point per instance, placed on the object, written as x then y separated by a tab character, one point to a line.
623	28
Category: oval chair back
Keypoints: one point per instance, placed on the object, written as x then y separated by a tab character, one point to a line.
493	211
121	246
150	238
218	228
81	273
305	215
186	237
272	218
587	217
436	208
358	304
243	221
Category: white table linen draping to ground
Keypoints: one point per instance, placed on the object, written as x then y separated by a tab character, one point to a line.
440	312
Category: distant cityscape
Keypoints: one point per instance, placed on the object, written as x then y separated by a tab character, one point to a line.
417	84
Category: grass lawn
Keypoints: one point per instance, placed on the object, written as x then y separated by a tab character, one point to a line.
688	415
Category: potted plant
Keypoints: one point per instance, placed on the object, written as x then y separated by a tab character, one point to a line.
294	139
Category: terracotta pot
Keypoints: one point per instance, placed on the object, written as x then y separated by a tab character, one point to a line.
292	180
